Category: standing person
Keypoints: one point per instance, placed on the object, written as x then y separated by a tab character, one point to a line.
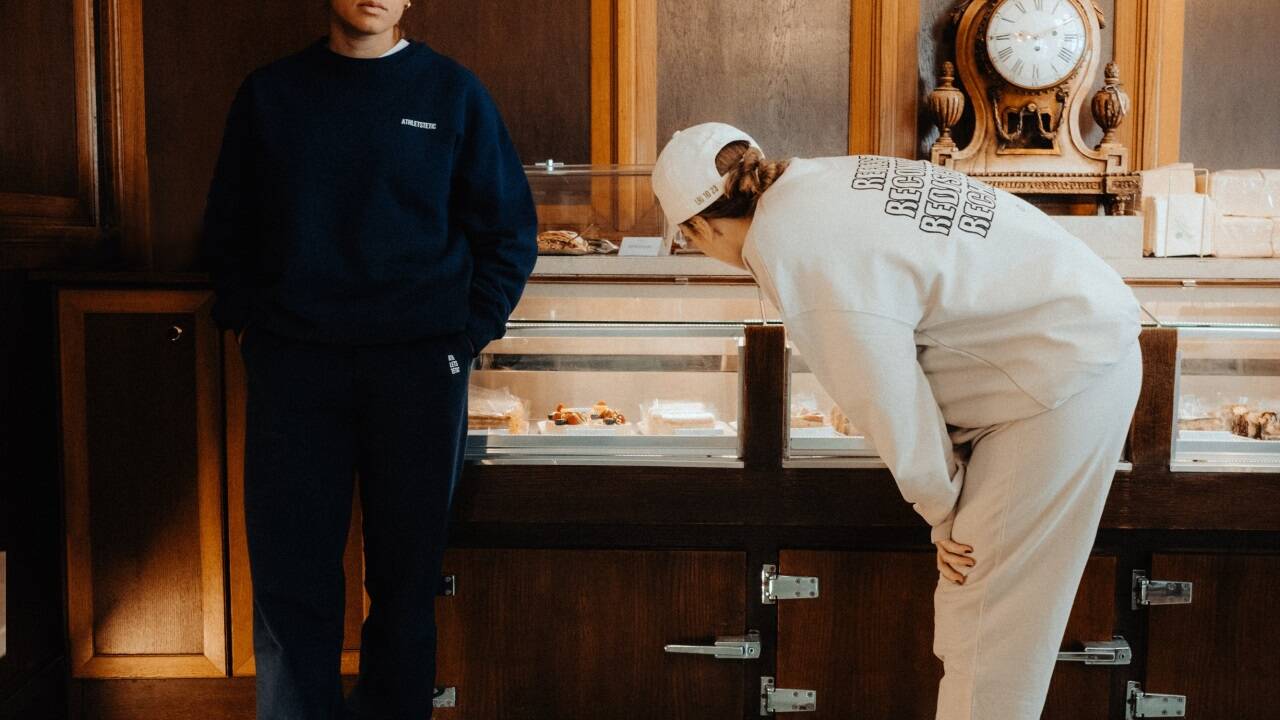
370	229
938	311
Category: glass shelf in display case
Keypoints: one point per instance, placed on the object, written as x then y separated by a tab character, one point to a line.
607	390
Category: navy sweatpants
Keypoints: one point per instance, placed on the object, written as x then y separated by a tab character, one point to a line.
318	415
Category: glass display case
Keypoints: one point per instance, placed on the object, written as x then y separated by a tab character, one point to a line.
593	209
1226	378
818	428
625	390
1227	395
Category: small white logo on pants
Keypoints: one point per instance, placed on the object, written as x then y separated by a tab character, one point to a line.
418	124
454	367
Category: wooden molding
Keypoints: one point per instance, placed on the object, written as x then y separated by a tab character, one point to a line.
884	77
624	84
73	306
1151	434
126	123
764	400
21	212
1148	48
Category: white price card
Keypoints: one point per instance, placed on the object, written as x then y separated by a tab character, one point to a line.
641	247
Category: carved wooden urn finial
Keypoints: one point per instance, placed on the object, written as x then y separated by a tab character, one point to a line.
1110	105
947	103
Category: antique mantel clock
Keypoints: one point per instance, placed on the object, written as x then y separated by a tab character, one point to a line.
1025	66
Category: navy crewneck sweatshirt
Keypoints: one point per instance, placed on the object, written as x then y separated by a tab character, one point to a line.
364	201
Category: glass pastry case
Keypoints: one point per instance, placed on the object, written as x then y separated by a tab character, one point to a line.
626	390
592	209
1226	378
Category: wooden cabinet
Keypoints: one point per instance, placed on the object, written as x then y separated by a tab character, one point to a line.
866	643
1219	650
142	461
537	634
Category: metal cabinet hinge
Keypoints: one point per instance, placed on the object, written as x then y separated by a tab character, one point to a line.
445	697
1158	592
1140	704
734	647
785	700
1101	652
775	587
448	586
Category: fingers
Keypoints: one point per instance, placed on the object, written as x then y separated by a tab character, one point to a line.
953	557
950	573
955	547
956	560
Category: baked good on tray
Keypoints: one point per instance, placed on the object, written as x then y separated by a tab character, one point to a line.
805	416
598	414
842	423
491	410
672	418
562	242
1254	424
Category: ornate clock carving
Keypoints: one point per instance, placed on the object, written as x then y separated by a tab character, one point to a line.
1024	67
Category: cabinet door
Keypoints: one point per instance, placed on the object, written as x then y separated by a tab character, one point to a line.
1079	691
142	458
241	585
1219	651
535	634
866	643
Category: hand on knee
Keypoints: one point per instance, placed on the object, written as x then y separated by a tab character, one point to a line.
954	560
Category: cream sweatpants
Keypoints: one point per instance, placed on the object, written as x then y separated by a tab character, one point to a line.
1030	506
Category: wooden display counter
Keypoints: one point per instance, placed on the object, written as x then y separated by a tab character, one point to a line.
569	580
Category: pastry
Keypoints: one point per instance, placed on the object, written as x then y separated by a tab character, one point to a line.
598	415
806	417
667	422
495	410
842	424
562	242
566	416
1254	425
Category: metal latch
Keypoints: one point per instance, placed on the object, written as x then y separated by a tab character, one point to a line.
1158	592
1102	652
445	697
734	647
784	700
1140	704
448	586
775	587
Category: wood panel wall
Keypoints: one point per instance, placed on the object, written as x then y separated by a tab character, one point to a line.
48	131
1229	81
196	54
779	71
37	126
535	58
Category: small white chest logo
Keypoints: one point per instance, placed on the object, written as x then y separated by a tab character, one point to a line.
418	124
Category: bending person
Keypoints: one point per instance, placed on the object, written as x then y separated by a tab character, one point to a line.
990	356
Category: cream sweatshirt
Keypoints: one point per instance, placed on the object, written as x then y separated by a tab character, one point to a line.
925	301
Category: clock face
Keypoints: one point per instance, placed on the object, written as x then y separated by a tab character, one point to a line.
1036	43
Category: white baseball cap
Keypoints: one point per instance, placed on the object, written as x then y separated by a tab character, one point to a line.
685	178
